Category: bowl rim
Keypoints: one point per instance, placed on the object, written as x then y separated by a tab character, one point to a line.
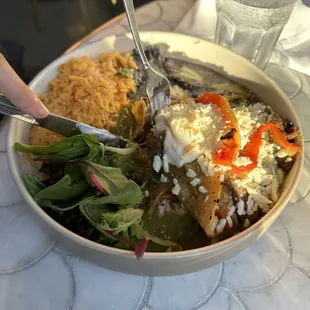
280	204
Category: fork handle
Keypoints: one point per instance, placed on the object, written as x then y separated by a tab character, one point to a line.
7	108
131	16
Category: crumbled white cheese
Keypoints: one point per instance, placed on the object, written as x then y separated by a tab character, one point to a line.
270	118
260	199
281	153
192	132
242	161
191	129
240	207
146	193
165	163
202	189
207	166
176	189
157	163
195	182
178	92
249	119
265	182
250	203
207	198
257	107
216	220
190	173
229	221
250	212
163	179
231	210
220	226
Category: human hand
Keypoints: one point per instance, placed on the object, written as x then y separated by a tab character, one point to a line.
18	92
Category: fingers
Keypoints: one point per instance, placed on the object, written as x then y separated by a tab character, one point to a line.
18	92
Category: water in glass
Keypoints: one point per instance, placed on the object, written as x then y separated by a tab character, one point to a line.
252	27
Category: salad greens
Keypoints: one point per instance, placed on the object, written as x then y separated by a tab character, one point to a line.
33	184
86	175
65	189
70	148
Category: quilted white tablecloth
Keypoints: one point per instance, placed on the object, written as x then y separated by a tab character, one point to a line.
35	274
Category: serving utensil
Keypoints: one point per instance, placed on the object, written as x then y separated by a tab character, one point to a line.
61	125
157	85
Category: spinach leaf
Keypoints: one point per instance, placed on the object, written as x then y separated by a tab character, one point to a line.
130	195
94	146
74	147
75	172
94	213
51	149
90	138
77	150
80	146
53	158
33	184
64	190
66	206
114	160
110	178
94	216
126	72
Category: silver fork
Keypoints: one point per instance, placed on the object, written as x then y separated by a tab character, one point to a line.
157	85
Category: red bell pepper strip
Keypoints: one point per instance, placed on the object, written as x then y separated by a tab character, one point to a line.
251	149
227	154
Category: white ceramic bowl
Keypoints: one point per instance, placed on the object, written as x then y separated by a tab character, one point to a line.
158	264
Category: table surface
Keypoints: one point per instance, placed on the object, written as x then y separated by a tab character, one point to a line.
274	273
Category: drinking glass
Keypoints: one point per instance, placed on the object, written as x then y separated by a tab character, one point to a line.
252	28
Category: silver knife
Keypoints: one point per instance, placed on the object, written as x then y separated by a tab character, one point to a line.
61	125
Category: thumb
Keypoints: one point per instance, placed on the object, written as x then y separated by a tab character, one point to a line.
18	92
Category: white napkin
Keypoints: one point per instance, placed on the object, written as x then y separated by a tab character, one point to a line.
292	49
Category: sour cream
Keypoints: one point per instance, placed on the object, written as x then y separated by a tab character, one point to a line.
190	130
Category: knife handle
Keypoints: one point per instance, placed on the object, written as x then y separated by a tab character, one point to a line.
7	108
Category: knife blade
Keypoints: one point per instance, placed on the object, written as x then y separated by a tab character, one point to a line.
61	125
